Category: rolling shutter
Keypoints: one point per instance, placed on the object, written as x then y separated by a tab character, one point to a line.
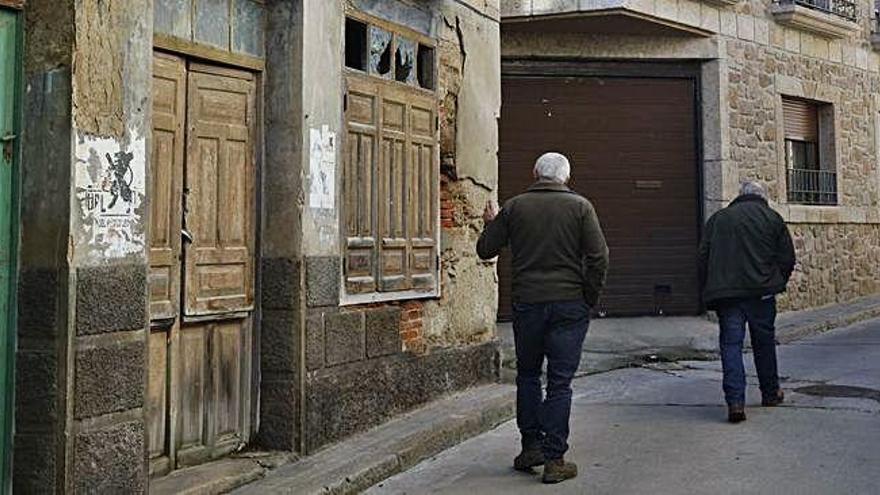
801	120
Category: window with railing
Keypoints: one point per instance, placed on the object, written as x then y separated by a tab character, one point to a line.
841	8
811	177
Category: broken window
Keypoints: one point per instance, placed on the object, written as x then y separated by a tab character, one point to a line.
426	66
405	61
380	51
355	44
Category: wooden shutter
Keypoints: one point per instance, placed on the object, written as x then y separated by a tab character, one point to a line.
169	113
391	180
423	196
801	120
220	191
362	126
393	173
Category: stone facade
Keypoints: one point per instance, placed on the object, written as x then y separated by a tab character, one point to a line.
750	57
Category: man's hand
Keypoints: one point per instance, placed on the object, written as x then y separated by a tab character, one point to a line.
491	211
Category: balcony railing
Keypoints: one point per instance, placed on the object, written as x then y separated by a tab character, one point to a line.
841	8
812	187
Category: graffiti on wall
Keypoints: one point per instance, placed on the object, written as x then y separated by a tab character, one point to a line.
110	178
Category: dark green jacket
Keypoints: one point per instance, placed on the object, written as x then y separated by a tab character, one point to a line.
558	249
746	252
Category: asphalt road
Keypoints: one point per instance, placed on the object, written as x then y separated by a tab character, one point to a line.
662	430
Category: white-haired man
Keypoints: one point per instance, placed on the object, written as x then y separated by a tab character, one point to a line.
559	260
746	258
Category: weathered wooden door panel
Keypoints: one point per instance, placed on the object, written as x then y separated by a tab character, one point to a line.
199	387
169	114
220	191
362	118
157	394
226	364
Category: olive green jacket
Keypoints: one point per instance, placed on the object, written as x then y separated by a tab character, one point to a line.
557	246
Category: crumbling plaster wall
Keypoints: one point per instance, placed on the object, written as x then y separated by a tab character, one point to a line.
470	101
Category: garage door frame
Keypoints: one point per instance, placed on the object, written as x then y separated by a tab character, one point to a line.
544	67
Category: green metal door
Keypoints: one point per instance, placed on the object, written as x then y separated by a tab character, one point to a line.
10	41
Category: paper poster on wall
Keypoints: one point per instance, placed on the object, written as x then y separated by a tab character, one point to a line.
322	168
110	179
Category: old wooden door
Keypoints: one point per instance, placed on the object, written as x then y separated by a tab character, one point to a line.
9	59
201	261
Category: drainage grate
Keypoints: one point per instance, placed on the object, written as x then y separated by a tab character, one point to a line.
841	391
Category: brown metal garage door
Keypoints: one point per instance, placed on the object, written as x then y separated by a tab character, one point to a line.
632	146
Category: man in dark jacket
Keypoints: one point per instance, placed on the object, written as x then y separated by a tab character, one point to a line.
559	260
746	258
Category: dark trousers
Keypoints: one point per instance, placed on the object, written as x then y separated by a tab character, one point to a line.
556	331
760	314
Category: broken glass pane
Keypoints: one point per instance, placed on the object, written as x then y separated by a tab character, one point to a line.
405	61
380	51
249	29
212	23
173	17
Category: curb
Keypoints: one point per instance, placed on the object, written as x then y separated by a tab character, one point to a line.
367	459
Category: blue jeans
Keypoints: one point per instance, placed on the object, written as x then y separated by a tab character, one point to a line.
760	314
554	330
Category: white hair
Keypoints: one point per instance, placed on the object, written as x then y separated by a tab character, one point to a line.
553	167
752	187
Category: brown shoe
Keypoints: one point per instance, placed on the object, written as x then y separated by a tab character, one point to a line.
557	470
528	458
736	413
773	400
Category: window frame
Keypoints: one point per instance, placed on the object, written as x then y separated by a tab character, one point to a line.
825	156
390	84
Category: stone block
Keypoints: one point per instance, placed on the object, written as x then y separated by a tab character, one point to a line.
553	6
762	31
111	460
667	9
33	466
348	399
109	379
792	40
383	332
110	299
710	18
36	389
344	339
315	341
279	415
38	309
280	340
745	27
322	281
280	284
516	8
728	23
689	12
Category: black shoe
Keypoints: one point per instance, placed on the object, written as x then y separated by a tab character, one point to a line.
528	458
557	470
736	413
774	399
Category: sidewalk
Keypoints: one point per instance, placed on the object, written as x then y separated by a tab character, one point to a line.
366	459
